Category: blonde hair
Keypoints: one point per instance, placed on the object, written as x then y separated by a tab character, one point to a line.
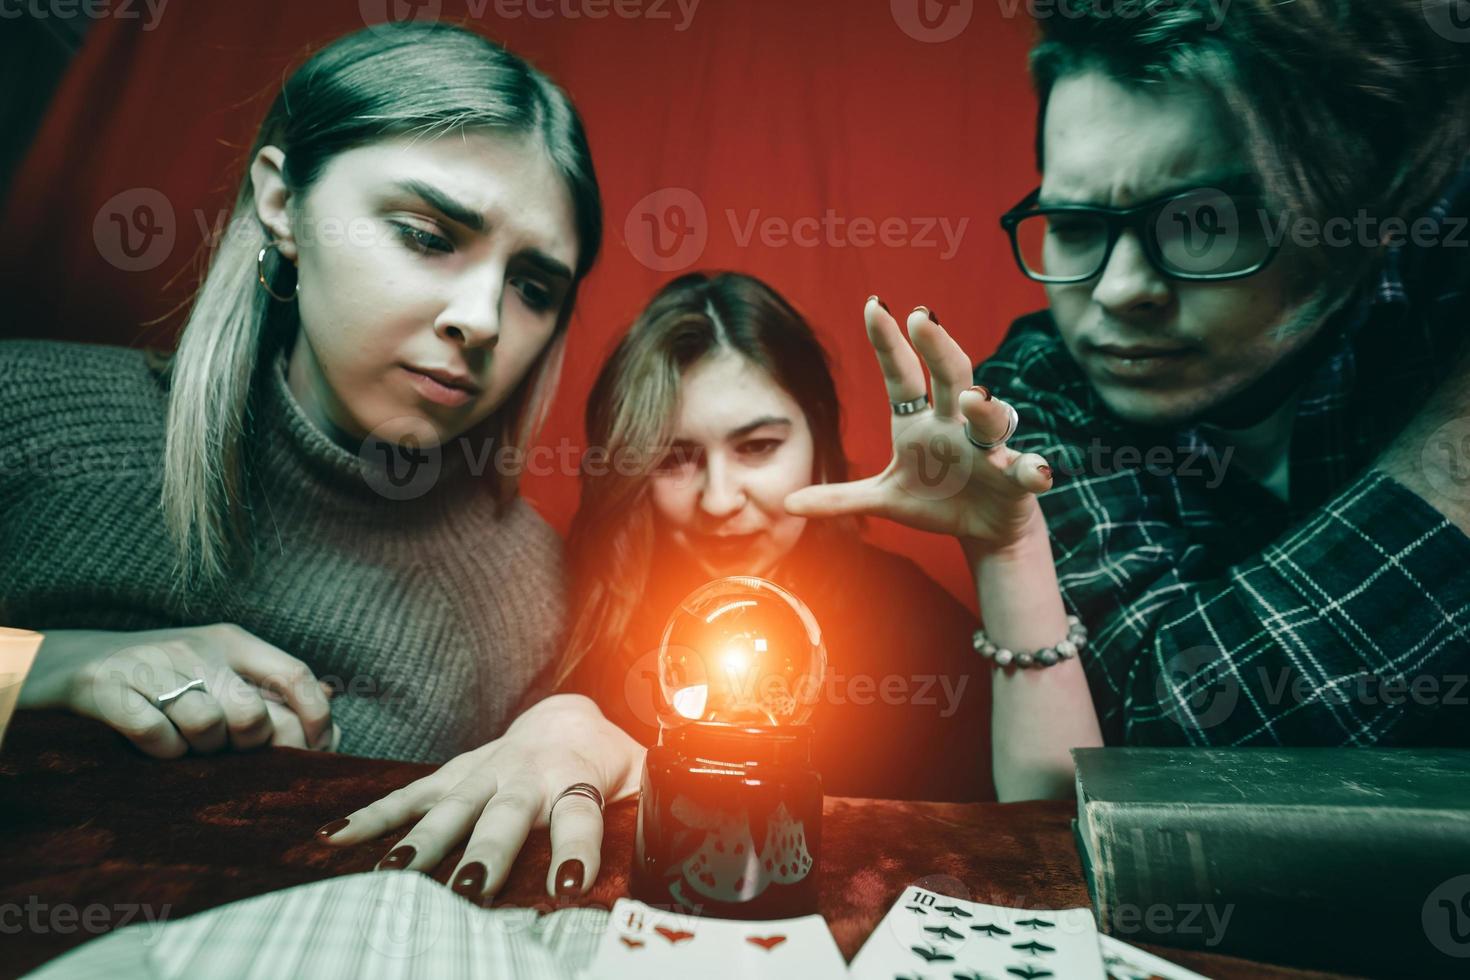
407	78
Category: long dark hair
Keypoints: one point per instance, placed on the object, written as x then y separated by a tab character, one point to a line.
406	78
630	414
1343	105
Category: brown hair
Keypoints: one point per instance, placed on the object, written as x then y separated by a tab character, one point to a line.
1343	105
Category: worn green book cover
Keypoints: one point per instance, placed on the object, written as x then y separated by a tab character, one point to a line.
1355	860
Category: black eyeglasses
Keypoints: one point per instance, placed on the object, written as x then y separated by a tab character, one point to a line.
1202	234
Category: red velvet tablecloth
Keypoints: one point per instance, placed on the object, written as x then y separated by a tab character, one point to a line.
94	833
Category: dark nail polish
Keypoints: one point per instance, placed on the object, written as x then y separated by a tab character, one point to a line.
327	830
984	391
470	882
399	857
1045	470
933	318
569	877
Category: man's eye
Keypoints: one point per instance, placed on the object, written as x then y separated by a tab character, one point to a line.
421	241
537	296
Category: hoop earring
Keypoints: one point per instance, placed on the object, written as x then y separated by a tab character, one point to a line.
264	282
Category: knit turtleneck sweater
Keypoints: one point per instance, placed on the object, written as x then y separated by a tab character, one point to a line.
431	615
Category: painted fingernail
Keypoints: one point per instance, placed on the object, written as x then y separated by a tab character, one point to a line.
933	317
1044	470
569	878
399	857
336	826
984	391
470	882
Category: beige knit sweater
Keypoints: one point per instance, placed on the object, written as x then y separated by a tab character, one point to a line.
432	614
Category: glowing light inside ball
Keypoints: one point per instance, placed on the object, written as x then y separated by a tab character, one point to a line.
740	651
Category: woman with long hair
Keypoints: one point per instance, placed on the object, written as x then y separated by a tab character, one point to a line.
716	404
291	538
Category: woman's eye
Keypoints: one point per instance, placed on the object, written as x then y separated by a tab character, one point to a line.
421	241
759	447
536	296
677	459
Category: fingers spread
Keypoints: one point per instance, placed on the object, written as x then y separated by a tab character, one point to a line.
949	365
903	375
989	418
497	838
1031	472
836	499
576	845
446	823
399	807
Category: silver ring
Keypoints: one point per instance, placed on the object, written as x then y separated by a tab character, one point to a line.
164	700
586	790
1014	421
911	406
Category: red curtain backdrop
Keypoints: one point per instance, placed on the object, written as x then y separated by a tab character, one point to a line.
835	149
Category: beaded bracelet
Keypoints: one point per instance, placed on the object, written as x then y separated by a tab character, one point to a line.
1045	657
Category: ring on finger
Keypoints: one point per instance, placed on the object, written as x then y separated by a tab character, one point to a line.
586	790
912	406
166	699
1012	421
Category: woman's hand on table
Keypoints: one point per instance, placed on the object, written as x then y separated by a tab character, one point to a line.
494	795
253	694
938	480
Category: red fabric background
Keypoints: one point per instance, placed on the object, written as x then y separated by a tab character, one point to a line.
760	109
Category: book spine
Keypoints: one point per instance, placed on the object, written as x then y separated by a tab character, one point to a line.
1296	885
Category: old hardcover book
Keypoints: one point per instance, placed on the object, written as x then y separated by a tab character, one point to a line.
1354	860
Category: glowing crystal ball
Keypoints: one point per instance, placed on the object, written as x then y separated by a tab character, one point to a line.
740	651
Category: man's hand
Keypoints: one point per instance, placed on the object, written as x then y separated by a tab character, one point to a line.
495	794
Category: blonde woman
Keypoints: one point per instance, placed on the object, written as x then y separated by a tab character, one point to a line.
297	505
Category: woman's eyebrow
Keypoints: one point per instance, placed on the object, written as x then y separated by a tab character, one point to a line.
440	201
759	423
463	214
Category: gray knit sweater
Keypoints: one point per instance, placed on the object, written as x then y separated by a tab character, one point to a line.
432	615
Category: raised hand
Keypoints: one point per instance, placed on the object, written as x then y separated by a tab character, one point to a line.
939	479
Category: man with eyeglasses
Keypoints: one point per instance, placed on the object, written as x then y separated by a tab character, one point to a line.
1320	593
1250	393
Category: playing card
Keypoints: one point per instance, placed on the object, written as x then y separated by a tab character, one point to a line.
926	934
642	941
1124	962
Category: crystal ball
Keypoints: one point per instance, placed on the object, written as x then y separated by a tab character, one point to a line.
740	651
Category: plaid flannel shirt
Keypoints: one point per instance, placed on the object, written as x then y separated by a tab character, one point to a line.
1221	615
